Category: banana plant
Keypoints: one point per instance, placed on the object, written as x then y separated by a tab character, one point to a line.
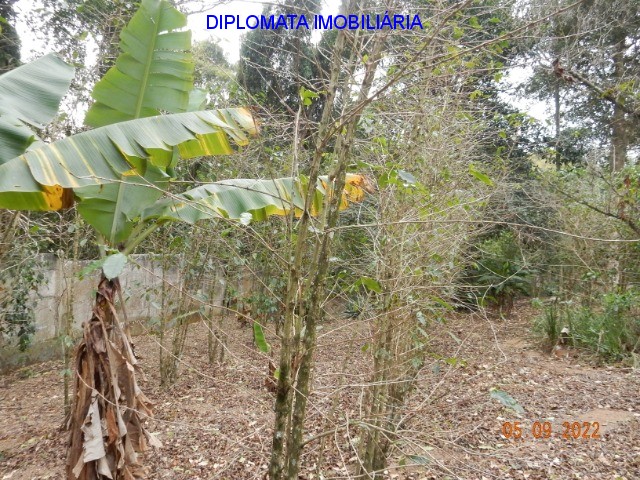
31	95
117	174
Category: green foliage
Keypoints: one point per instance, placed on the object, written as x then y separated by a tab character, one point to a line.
9	41
261	341
146	79
266	303
499	272
589	40
213	74
369	283
307	96
483	177
113	265
249	200
615	331
20	276
275	63
29	98
610	327
69	27
105	155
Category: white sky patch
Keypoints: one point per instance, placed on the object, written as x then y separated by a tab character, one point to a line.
513	77
229	39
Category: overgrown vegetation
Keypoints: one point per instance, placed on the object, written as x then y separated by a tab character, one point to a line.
609	326
395	184
499	273
20	277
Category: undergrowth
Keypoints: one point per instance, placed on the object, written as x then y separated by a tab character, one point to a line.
610	327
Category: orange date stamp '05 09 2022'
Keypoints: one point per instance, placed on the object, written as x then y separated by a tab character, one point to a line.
542	430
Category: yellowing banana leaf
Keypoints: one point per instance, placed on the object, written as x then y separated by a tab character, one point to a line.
29	97
236	198
102	156
154	72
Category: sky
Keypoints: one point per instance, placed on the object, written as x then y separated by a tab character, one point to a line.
229	39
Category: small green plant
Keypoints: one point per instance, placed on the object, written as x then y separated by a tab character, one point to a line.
610	327
266	304
553	321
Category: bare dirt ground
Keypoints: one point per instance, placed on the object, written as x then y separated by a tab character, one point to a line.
215	422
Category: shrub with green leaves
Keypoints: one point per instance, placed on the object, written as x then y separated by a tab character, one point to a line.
499	272
609	327
20	276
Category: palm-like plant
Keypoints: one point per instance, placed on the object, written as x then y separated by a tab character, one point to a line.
118	174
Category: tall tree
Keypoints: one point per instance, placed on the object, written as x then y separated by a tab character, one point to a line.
9	40
213	73
70	24
85	33
590	70
118	174
275	63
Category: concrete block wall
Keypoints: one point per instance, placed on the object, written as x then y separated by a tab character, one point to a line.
63	293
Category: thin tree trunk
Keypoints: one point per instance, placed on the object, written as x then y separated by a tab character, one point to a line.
309	292
556	98
215	334
619	140
284	390
162	354
290	337
67	332
619	137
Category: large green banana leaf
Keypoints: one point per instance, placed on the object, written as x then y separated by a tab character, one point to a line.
29	97
260	198
154	72
35	180
114	208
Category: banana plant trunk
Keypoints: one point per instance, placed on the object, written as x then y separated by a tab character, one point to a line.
106	420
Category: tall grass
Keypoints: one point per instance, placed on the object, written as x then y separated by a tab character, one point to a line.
609	327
